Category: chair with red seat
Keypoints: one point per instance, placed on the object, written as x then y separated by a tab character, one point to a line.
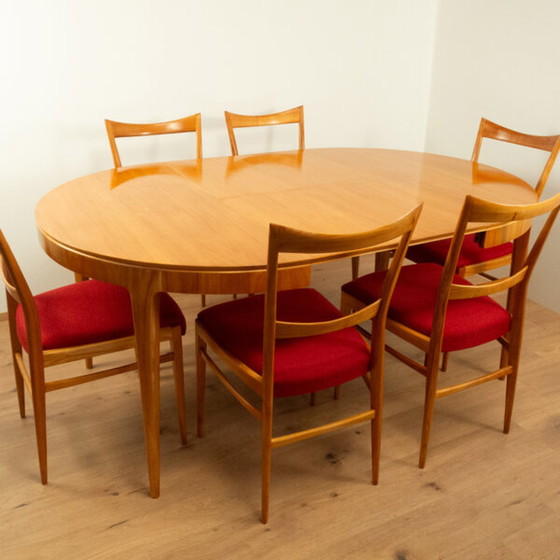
436	310
67	324
294	342
475	259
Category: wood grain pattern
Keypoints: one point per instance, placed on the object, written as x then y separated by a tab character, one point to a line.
213	215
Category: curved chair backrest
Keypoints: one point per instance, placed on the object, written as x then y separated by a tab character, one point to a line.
117	129
489	129
480	211
290	116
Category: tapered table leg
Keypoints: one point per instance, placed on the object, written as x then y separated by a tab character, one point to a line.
145	307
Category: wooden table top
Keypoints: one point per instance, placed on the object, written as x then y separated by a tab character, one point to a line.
213	214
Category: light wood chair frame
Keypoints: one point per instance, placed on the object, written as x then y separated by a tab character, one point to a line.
515	285
31	375
117	129
290	116
286	240
493	131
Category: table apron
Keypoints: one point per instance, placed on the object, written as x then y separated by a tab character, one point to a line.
173	280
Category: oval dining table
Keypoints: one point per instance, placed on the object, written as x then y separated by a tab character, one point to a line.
201	226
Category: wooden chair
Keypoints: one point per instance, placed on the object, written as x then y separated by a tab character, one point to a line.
436	310
296	342
74	322
473	258
121	130
291	116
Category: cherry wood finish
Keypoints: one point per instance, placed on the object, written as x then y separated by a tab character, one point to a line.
117	129
513	288
202	226
290	116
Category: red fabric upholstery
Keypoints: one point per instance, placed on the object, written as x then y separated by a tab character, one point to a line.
468	323
471	252
87	312
302	365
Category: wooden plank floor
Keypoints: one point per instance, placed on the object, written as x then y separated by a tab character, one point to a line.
483	495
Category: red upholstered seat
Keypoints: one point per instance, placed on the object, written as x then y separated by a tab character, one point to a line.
302	365
468	323
471	252
87	312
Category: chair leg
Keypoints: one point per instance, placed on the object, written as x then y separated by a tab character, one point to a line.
336	393
266	464
382	260
16	353
429	405
355	267
504	359
375	447
20	388
312	399
40	414
200	385
203	300
81	278
444	361
510	396
179	377
377	405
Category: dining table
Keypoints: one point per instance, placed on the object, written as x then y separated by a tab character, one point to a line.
201	226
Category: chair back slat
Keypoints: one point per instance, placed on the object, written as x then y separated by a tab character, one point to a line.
491	130
299	330
117	129
290	116
470	291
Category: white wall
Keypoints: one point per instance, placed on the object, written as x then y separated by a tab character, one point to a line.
361	67
500	59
